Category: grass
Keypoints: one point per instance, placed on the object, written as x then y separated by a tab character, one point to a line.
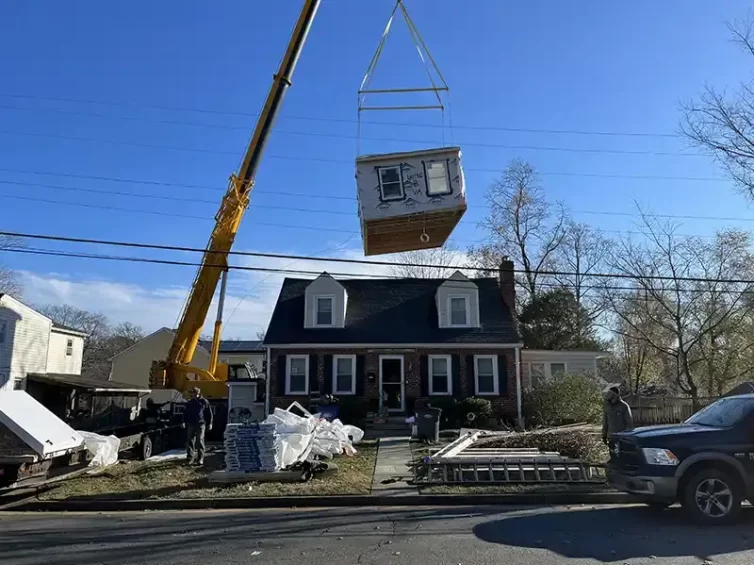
130	480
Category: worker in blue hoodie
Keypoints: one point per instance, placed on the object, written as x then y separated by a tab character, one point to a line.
197	419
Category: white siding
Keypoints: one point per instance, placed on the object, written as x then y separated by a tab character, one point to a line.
26	340
57	359
576	362
457	285
325	285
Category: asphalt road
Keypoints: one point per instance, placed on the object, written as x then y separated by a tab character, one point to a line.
342	536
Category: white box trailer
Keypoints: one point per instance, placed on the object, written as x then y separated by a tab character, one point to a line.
32	437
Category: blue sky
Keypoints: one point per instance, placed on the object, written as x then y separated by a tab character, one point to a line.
101	89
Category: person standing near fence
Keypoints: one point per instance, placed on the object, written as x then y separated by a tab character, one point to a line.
616	416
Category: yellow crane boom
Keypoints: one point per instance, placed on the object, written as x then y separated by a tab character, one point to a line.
174	371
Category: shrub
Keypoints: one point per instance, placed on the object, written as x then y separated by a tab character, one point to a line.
480	407
565	400
352	410
449	406
578	444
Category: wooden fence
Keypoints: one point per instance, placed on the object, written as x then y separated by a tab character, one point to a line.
655	411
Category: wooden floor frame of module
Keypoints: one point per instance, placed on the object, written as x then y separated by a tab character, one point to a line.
404	233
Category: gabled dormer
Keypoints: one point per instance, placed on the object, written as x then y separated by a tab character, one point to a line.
458	302
325	303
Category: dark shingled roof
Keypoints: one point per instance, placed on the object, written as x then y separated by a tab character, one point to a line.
391	311
88	383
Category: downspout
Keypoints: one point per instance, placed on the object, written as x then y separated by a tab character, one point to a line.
519	411
267	385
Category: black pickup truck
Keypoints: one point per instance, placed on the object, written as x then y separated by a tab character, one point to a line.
706	463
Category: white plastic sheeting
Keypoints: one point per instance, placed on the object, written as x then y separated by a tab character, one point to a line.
303	437
104	449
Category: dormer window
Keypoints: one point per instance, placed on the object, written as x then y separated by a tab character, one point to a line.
458	306
323	313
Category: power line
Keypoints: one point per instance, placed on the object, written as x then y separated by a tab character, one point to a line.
341	161
590	150
371	262
348	198
317	119
263	223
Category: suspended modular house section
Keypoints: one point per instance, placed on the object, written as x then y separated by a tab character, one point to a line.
409	201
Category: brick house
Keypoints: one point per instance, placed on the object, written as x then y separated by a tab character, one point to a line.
395	343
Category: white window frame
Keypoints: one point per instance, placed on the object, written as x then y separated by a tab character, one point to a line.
69	347
450	311
446	167
547	370
495	376
288	360
447	358
352	359
317	298
400	179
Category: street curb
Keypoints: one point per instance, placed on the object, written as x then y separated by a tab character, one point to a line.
528	499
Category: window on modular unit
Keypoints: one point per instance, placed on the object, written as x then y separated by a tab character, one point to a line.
345	374
557	370
297	374
391	183
439	375
324	311
537	373
486	374
69	347
437	178
459	310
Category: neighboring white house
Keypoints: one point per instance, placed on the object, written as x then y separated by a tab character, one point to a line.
66	350
538	365
30	343
132	365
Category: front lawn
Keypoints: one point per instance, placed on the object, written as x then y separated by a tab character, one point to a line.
130	480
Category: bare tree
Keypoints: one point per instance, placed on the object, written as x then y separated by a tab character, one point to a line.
436	263
684	291
9	281
724	124
523	225
261	335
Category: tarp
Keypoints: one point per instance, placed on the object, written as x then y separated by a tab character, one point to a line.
302	437
104	449
36	426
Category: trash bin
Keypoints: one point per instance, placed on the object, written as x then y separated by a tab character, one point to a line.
428	424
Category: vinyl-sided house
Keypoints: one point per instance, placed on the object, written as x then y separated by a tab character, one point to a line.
396	343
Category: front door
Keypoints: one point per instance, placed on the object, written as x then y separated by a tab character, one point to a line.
392	388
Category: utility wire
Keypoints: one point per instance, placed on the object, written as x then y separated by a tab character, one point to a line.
423	142
274	192
316	119
267	224
208	187
342	260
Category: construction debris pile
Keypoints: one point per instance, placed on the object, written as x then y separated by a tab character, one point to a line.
475	458
251	447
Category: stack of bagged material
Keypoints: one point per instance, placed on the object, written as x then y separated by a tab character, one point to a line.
251	447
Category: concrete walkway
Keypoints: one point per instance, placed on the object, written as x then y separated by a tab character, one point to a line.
390	472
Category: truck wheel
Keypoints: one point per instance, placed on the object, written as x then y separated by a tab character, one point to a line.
712	496
145	448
